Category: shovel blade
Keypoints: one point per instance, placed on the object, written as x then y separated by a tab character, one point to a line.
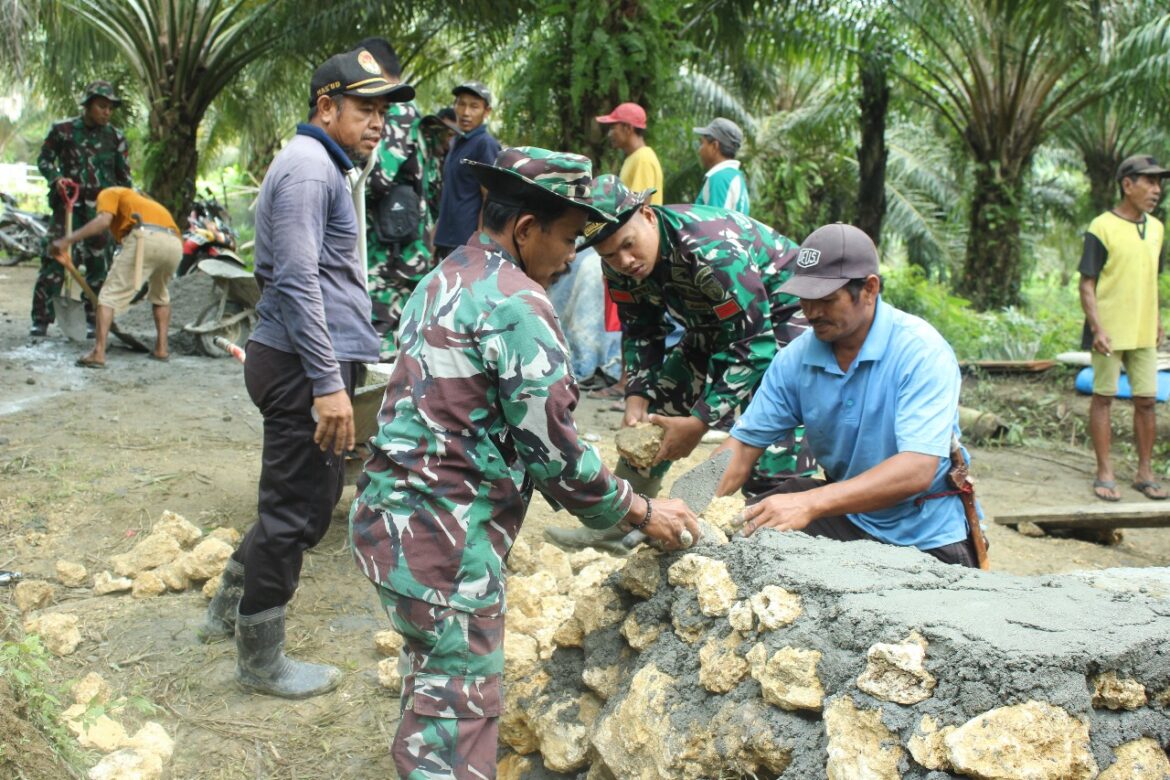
71	318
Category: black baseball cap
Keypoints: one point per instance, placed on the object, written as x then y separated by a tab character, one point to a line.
830	257
355	73
477	88
1140	165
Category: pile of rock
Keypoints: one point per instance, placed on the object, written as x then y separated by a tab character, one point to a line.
141	756
174	556
786	656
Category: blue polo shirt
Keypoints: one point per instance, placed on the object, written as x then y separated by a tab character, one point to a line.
460	201
900	395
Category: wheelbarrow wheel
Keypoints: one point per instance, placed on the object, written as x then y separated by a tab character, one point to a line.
236	332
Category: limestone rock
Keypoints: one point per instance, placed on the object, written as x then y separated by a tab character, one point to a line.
153	738
688	622
521	655
775	607
1028	528
150	553
1142	759
1163	698
927	744
1117	693
91	689
225	534
641	575
597	608
58	631
388	643
723	513
174	576
860	745
897	672
605	681
1033	740
210	587
101	733
128	764
206	559
747	743
639	444
104	582
582	558
555	561
640	636
388	675
741	616
547	625
177	527
526	592
562	725
594	574
631	739
710	580
515	729
514	766
33	594
522	561
148	584
721	667
788	679
71	575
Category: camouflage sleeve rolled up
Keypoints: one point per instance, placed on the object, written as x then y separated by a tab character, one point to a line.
398	161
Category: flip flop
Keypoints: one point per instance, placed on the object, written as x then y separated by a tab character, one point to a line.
84	363
1150	489
608	393
1105	484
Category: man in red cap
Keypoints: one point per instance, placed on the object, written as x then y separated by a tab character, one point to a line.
627	131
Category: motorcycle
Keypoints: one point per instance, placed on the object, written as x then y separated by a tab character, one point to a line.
209	234
22	233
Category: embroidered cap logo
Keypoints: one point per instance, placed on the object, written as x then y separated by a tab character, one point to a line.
808	258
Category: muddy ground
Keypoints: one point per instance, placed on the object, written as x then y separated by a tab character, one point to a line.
90	459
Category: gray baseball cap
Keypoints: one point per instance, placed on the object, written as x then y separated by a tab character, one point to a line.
1140	165
724	131
477	88
830	257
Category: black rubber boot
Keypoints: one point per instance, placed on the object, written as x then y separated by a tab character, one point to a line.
220	622
263	667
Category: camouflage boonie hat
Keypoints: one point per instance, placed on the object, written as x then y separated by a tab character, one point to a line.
527	176
100	88
616	201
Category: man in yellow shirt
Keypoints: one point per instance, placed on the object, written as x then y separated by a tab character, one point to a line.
627	131
1119	294
134	219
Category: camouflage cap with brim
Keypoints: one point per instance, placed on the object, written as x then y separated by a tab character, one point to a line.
530	177
617	202
100	88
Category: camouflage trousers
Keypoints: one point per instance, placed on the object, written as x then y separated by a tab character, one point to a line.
92	258
681	380
452	666
393	275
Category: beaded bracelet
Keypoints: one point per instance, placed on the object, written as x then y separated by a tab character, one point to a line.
649	513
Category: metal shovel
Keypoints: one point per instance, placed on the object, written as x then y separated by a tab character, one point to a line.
70	310
696	487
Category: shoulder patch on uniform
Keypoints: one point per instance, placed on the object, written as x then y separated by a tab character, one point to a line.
620	296
727	309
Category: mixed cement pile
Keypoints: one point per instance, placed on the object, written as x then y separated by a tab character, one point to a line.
792	657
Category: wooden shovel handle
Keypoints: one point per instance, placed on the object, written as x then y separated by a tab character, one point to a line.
67	261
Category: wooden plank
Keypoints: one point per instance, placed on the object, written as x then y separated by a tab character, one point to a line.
1135	514
1009	366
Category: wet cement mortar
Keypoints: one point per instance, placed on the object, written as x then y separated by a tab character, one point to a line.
190	295
994	640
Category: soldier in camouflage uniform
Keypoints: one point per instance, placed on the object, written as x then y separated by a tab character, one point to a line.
718	273
478	413
93	153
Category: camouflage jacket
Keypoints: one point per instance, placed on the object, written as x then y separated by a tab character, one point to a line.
95	158
404	157
478	411
718	274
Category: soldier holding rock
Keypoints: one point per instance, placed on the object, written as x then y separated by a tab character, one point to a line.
718	273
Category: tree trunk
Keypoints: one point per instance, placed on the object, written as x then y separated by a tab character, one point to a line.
172	160
1101	168
872	153
992	274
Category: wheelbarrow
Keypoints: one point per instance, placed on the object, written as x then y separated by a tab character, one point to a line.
231	313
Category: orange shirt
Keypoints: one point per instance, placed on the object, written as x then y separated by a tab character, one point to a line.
124	203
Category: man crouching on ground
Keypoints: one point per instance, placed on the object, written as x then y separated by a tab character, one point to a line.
477	413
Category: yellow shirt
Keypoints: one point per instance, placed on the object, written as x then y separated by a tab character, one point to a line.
1127	286
641	171
124	203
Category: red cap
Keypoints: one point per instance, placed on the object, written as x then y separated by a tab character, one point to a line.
630	113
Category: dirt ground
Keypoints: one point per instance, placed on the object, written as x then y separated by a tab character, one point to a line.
90	459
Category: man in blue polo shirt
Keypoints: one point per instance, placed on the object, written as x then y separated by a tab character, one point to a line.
462	198
878	393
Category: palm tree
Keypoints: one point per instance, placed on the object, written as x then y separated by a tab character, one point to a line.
1003	74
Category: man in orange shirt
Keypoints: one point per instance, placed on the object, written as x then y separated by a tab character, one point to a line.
134	219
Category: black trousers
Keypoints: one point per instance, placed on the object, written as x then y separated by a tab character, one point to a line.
843	529
299	484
